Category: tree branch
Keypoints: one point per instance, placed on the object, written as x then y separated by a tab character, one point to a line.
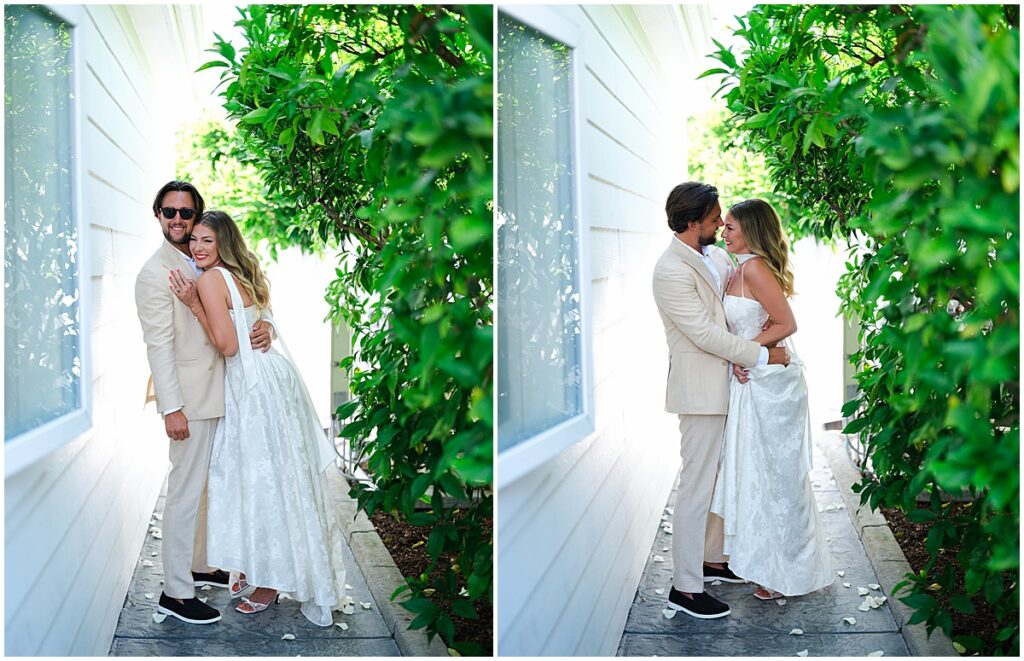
376	241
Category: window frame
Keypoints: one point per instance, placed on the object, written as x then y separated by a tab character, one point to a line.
33	445
531	453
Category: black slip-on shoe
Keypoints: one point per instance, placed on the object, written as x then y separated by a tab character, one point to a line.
217	579
701	605
725	575
191	610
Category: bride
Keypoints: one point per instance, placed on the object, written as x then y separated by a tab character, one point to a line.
268	511
763	492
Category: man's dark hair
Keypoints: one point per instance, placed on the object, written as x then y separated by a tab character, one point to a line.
689	203
172	186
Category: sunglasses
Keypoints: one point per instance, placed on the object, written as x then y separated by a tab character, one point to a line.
186	213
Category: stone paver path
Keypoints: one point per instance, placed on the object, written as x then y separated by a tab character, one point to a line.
757	628
237	634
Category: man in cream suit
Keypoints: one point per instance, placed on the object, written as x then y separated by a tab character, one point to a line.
689	281
188	382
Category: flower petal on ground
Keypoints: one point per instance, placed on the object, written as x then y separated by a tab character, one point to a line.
716	583
341	625
159	617
780	602
348	609
841	573
802	653
288	636
669	613
153	554
365	604
349	587
147	563
845	584
862	591
850	620
864	607
148	595
658	558
796	632
877	653
874	586
659	590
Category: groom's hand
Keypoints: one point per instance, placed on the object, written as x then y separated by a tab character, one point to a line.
742	375
259	338
778	356
176	425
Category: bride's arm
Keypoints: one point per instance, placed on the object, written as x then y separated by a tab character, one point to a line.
768	292
208	299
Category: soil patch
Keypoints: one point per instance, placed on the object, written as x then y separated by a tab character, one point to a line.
407	545
911	538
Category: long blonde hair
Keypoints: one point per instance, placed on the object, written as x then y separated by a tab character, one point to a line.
762	230
237	258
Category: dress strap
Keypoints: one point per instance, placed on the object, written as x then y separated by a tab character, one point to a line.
245	352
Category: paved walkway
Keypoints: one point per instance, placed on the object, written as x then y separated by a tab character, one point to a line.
236	634
757	628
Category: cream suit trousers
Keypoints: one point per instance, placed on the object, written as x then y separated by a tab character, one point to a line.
697	535
184	529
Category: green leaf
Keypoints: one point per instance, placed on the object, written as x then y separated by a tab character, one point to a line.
255	116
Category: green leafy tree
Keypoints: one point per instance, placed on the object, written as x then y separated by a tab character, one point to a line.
376	122
897	129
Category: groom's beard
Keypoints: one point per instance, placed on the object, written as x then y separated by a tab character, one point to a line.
708	240
186	237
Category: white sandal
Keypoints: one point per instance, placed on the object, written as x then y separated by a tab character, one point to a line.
240	588
772	594
256	606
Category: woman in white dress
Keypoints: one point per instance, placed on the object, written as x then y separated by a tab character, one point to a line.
763	492
269	518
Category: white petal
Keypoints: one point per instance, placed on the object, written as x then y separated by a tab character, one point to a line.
665	549
159	617
147	563
658	558
864	607
288	636
841	572
802	653
463	592
862	591
349	587
716	583
158	516
780	602
205	587
877	653
348	600
796	632
669	613
850	620
148	595
341	625
153	554
348	609
845	584
874	586
659	590
365	604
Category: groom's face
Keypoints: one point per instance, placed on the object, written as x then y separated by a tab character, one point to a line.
177	230
709	226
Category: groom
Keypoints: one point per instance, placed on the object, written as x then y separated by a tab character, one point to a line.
689	282
188	381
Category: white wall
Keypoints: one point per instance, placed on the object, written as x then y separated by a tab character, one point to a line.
573	535
75	520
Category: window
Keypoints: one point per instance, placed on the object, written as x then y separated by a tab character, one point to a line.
543	369
45	384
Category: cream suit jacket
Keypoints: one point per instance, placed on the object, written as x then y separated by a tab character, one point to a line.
699	346
187	370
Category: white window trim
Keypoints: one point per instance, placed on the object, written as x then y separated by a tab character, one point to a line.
31	446
525	457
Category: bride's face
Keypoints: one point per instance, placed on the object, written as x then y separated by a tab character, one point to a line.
204	247
733	236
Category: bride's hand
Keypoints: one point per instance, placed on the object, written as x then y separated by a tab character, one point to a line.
184	289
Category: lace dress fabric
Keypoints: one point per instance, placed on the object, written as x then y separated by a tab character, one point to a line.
763	492
268	509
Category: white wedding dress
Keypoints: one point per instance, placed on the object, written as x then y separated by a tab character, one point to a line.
268	508
763	492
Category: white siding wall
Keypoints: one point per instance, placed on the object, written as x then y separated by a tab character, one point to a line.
74	521
574	535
